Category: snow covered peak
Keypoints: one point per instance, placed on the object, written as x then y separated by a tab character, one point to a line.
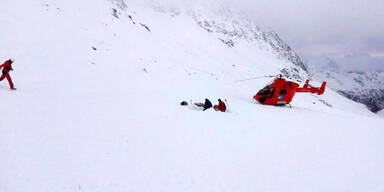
365	87
236	27
233	28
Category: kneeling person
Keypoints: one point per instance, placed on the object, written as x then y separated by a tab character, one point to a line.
221	106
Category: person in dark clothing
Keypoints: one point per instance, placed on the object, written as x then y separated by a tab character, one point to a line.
221	106
207	104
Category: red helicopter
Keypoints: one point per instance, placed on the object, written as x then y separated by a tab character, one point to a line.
281	91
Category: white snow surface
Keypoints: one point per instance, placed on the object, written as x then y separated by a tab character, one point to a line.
381	113
110	120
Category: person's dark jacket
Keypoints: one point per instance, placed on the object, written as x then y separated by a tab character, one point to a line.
207	104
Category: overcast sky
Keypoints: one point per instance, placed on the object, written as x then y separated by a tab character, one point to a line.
348	31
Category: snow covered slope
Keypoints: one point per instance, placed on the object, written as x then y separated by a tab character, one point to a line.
97	108
381	113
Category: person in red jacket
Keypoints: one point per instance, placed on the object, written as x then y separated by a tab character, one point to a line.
221	106
7	66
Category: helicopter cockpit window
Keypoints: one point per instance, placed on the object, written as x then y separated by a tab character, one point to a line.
265	91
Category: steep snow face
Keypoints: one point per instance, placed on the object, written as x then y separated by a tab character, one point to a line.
362	87
97	109
234	29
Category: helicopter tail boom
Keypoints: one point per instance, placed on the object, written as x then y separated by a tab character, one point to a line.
309	89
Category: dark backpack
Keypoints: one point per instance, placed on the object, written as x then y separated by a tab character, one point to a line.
184	103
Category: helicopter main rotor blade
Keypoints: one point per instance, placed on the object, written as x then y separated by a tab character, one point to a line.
248	79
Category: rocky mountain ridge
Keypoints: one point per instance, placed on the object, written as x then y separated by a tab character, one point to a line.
364	87
237	28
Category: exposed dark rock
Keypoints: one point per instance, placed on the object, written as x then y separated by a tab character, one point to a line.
146	27
115	13
372	98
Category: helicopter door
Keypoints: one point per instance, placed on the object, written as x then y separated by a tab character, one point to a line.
272	92
283	92
280	97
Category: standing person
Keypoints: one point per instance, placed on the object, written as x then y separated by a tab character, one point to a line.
207	104
221	106
7	66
